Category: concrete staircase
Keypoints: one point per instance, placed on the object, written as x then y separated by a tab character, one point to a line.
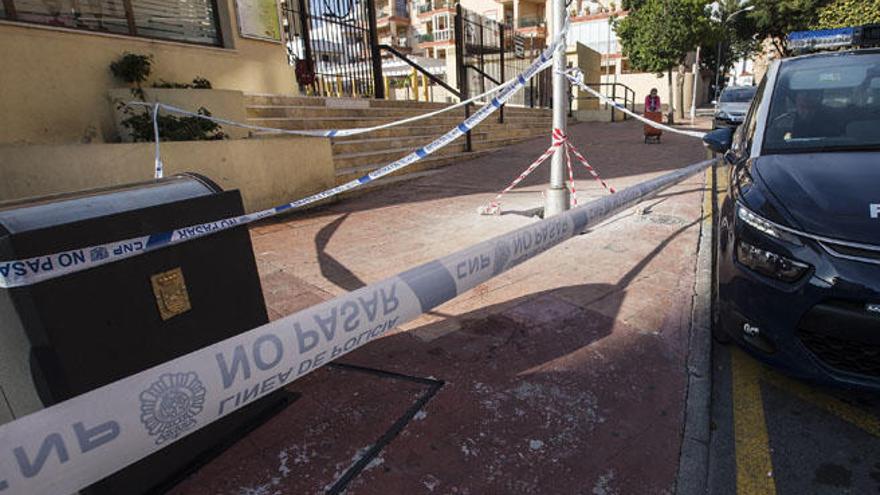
355	156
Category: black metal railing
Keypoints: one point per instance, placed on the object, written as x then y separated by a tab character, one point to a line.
335	48
616	92
490	51
434	79
415	65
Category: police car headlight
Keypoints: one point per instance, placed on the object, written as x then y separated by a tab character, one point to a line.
757	222
723	115
770	264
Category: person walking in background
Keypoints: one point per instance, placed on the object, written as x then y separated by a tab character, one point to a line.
652	101
652	112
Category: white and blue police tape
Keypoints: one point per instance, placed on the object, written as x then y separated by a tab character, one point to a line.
159	166
576	77
70	445
17	273
320	133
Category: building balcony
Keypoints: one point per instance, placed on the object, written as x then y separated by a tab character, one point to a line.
385	15
439	37
532	26
430	7
401	44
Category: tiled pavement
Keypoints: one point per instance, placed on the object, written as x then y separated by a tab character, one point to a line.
563	375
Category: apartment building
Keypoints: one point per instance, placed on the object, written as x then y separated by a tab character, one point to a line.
434	30
394	24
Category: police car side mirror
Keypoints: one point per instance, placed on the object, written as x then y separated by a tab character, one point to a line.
719	140
714	102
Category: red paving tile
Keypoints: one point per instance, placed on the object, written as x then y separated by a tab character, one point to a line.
564	375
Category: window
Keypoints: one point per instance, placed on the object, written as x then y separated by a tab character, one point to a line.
745	134
825	104
188	21
737	95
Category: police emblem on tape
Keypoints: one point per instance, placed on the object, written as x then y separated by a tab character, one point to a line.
170	406
99	253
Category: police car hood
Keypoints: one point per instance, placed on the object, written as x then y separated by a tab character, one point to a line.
827	194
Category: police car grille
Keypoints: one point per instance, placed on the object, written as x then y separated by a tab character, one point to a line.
870	255
842	354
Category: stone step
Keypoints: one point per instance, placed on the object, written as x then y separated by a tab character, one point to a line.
401	131
500	142
257	100
306	111
382	157
272	99
383	143
351	145
319	123
301	111
433	161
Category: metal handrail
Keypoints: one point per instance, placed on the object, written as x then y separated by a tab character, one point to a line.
483	73
627	92
421	69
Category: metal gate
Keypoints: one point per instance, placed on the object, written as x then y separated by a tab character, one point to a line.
334	47
490	52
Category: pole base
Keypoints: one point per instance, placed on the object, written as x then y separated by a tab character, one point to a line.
556	200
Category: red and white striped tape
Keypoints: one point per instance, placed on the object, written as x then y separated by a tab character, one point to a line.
559	139
495	206
592	171
574	198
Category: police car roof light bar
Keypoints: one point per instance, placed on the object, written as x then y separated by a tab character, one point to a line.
831	39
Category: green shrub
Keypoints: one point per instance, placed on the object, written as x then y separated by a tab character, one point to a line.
133	69
197	83
844	13
171	127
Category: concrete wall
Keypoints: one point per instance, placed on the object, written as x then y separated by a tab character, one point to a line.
54	81
268	171
589	61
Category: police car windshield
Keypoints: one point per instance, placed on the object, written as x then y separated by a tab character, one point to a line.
737	95
825	103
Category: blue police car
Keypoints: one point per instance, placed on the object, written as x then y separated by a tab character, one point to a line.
797	258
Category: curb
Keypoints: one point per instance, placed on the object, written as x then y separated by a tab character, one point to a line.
693	464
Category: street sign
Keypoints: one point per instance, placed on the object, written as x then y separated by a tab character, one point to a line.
519	46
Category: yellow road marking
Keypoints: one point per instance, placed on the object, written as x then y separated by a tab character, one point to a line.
707	197
853	415
754	468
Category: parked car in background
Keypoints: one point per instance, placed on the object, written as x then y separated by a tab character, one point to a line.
797	278
732	105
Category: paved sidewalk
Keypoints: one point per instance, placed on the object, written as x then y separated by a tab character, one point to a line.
564	375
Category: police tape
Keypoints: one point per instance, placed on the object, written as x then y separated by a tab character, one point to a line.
576	77
70	445
558	41
317	133
589	167
559	138
574	198
494	206
156	106
159	166
22	272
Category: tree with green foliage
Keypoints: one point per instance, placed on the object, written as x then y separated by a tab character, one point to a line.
732	37
657	35
775	19
844	13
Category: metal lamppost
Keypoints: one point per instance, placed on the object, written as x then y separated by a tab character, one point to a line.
556	197
718	58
